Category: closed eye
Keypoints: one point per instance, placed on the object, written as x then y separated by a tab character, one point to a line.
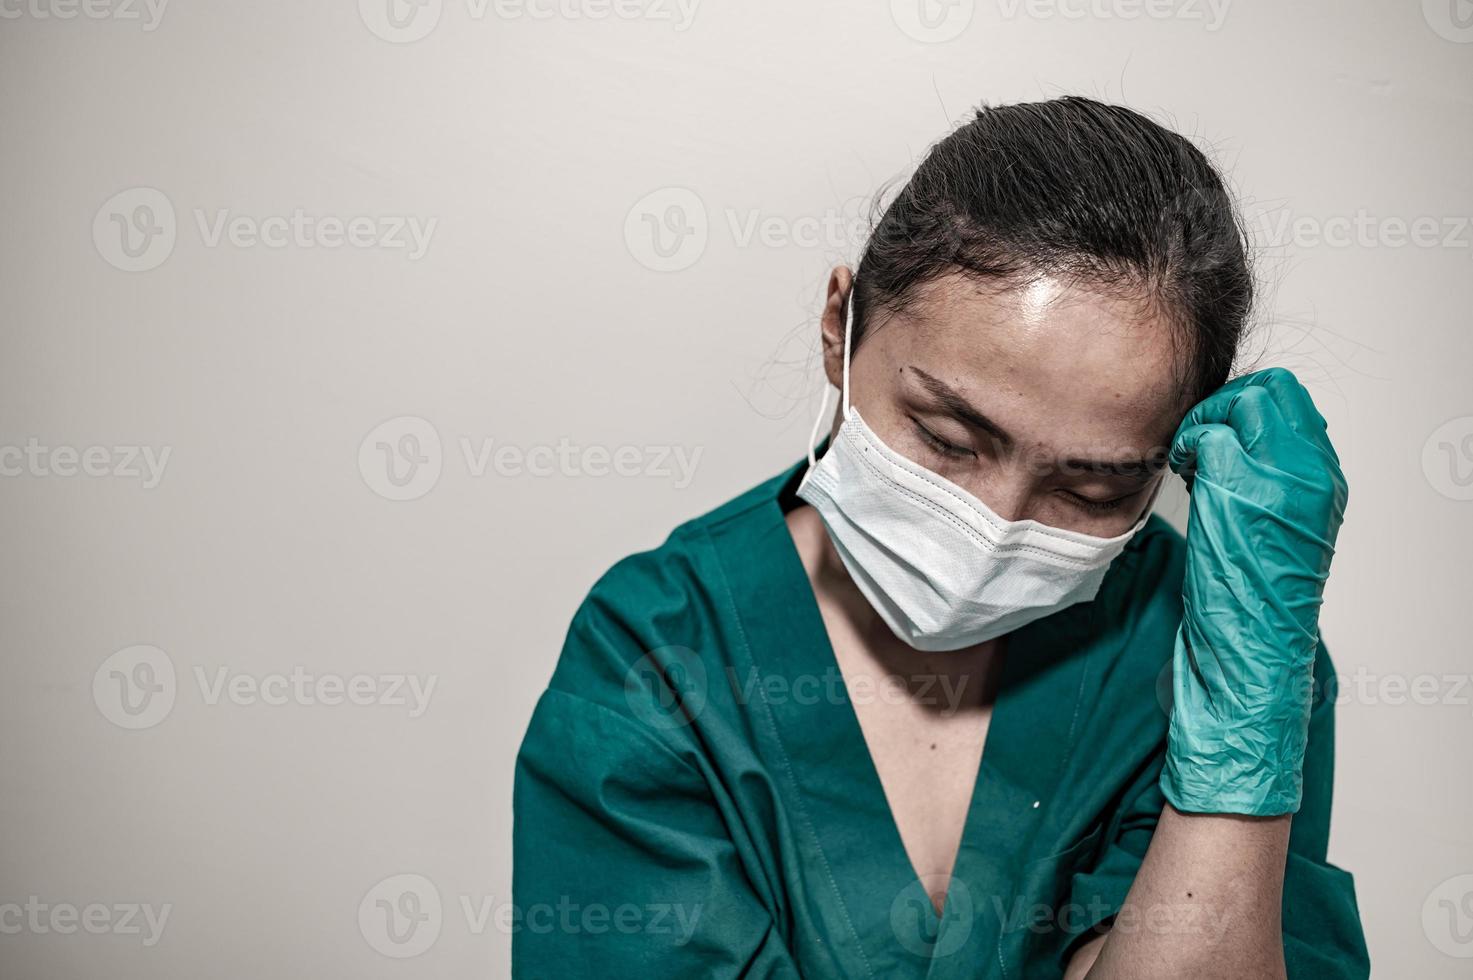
940	445
1093	506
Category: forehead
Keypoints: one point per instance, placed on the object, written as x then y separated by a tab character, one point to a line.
1056	363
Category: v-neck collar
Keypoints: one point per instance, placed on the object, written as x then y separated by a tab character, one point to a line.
878	917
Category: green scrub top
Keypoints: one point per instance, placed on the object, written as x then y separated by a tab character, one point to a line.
694	796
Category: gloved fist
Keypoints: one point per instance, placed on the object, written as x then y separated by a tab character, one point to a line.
1267	498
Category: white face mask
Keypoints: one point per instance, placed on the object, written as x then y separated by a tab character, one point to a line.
936	563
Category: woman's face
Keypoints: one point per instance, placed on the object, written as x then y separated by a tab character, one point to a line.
1047	401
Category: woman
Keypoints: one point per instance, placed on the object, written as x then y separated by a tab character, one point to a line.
894	712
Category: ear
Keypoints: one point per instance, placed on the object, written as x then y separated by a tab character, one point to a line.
835	307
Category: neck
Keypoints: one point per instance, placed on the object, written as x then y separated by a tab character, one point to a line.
831	581
875	643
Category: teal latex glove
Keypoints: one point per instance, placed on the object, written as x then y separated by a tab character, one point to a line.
1267	498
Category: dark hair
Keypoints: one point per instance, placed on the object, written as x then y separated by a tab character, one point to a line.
1077	188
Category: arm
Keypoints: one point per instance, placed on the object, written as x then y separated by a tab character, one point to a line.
1322	937
624	860
1205	903
1267	501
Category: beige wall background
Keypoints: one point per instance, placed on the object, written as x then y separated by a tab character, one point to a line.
345	344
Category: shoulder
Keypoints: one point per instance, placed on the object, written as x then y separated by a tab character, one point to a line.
658	605
644	584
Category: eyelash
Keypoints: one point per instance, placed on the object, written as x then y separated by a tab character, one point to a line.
940	445
944	448
1094	506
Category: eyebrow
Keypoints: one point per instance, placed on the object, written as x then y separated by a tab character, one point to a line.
950	399
964	410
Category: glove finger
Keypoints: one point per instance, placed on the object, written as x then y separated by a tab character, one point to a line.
1272	413
1210	447
1251	413
1214	408
1296	407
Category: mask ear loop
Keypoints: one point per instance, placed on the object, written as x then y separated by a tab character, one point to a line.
848	332
823	405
